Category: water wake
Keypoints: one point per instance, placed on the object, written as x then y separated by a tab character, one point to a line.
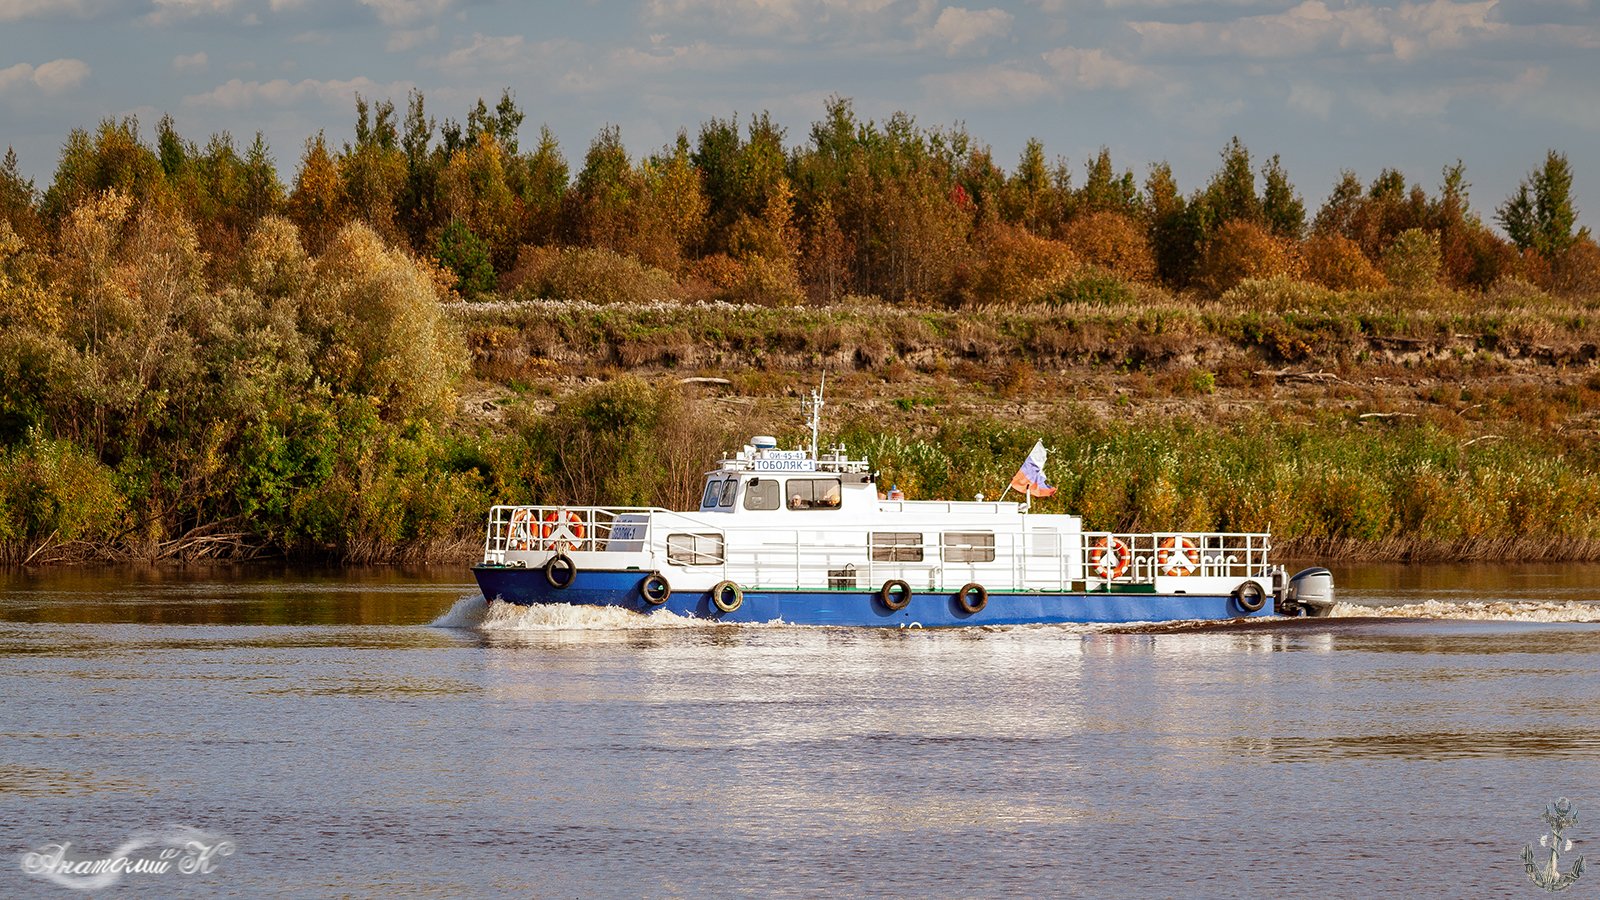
1495	611
472	612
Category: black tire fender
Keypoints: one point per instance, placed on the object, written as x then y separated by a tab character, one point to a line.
894	595
727	596
554	569
655	589
1250	597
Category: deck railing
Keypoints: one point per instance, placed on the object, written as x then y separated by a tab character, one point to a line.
782	556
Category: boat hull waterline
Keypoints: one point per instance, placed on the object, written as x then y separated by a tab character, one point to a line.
926	608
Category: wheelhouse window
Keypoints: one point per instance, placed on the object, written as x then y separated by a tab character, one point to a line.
713	491
968	546
813	493
762	494
729	488
896	546
694	549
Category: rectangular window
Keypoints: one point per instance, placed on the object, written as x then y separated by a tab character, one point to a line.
761	493
813	493
729	488
896	546
694	549
969	546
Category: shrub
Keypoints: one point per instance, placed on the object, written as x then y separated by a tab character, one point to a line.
1114	242
1094	287
1015	266
466	255
1335	261
1576	271
589	274
1240	250
1412	261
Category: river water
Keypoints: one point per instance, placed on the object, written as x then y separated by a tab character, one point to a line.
379	733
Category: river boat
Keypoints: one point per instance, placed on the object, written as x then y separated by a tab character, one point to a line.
803	537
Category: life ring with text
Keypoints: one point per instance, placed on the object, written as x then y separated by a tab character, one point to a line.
520	535
1178	556
972	597
554	522
894	595
727	596
1110	558
655	589
560	571
1250	597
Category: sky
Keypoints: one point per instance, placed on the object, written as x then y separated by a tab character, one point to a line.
1325	84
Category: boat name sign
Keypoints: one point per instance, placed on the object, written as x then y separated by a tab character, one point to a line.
784	461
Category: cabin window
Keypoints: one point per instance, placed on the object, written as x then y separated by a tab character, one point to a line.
896	546
762	493
694	549
813	493
712	490
969	546
729	488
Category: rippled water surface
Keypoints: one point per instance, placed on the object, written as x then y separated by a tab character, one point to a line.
381	733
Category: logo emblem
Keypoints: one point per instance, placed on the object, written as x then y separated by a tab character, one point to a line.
1545	870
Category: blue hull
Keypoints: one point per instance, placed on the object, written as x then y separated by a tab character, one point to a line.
859	607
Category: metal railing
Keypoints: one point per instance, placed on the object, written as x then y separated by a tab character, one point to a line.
782	556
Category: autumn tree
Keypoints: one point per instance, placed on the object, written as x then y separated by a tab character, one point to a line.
373	171
316	205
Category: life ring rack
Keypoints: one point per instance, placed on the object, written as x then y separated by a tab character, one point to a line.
1110	557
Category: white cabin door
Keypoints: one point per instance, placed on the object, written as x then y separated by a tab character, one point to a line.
1042	565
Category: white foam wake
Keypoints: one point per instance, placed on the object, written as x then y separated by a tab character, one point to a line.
472	612
1495	611
501	616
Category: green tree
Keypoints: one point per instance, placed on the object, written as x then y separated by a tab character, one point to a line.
1283	210
465	254
1540	216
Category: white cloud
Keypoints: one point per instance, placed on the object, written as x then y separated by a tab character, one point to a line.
405	12
794	19
1405	31
959	30
164	11
1314	100
630	65
1093	69
411	39
193	62
236	94
485	52
1002	85
17	10
54	77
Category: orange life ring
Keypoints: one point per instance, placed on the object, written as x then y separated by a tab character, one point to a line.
1178	556
1110	558
520	535
553	522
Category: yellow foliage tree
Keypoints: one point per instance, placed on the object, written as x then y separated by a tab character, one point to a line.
1114	242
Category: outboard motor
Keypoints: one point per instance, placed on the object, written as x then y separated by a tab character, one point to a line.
1310	593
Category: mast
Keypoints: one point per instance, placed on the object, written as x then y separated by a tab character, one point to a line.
814	406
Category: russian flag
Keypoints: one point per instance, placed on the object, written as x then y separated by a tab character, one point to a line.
1030	478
